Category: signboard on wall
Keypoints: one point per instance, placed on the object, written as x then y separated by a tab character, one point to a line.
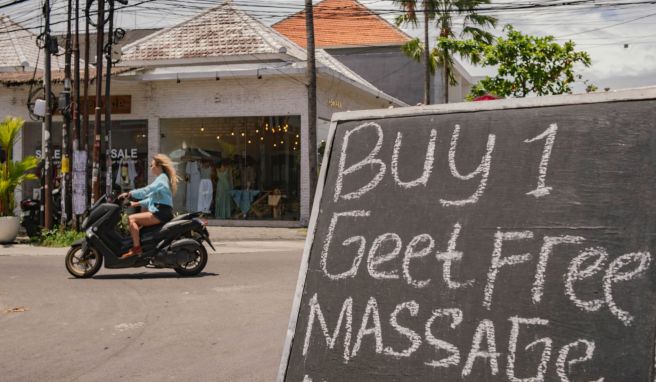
121	104
496	241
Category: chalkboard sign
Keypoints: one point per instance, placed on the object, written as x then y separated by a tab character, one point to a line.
494	241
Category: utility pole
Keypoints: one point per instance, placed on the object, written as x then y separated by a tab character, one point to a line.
427	74
108	103
48	120
75	101
76	80
312	98
84	132
95	175
64	188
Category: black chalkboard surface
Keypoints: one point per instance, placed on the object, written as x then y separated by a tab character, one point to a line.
499	241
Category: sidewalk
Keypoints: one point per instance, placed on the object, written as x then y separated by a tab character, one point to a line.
224	239
255	233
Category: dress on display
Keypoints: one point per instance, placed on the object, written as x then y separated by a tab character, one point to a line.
126	174
193	183
205	190
222	208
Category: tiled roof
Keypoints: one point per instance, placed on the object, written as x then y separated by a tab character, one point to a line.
10	79
342	23
18	49
220	32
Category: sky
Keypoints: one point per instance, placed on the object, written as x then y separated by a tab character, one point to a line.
619	35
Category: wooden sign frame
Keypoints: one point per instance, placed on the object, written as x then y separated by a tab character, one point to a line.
638	94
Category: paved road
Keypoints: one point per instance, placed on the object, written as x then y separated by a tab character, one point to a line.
148	325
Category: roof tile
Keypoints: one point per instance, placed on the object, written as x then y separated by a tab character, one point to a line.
342	23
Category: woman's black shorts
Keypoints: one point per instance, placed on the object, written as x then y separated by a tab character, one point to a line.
164	213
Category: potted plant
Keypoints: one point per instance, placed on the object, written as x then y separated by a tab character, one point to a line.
12	175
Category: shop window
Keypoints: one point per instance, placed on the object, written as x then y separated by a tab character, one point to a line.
129	153
237	167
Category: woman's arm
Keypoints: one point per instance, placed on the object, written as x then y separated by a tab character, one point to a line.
159	184
144	202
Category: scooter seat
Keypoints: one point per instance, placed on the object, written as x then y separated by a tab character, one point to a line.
151	229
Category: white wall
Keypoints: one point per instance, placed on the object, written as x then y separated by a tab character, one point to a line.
224	98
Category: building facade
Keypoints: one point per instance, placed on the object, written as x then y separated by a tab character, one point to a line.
369	45
225	97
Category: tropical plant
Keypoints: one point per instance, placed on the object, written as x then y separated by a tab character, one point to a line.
12	173
414	48
526	65
445	13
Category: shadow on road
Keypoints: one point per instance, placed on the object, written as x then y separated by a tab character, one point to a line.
142	276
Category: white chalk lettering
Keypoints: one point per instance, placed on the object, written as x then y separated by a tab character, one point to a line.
315	312
374	261
450	256
412	253
498	262
564	353
550	134
487	327
414	338
547	248
376	331
614	275
575	273
369	160
512	349
326	246
428	161
483	169
456	319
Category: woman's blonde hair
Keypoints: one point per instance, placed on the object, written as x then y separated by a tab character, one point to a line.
167	166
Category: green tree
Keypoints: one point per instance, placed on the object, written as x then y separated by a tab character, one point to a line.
12	173
527	65
445	13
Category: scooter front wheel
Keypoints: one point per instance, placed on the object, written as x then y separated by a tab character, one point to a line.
83	264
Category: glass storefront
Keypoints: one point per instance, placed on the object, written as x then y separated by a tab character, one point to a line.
129	153
237	167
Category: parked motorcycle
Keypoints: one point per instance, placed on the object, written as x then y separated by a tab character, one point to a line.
177	244
31	210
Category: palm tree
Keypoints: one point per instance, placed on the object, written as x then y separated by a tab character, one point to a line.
414	48
474	27
12	174
445	13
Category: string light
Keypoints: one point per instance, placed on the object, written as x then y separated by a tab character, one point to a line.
261	138
257	131
202	129
218	137
249	141
233	133
243	134
297	136
274	145
282	142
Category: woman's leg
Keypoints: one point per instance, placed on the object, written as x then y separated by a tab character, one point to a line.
135	222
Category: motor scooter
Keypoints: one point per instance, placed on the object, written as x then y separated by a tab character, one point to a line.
177	244
31	211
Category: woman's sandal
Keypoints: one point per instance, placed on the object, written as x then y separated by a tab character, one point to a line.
135	251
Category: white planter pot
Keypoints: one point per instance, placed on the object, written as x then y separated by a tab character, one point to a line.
9	226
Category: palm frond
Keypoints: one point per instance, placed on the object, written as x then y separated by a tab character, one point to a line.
9	129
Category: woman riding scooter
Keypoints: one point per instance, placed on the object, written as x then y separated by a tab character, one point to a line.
156	201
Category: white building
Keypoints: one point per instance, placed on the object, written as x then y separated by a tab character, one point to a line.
225	97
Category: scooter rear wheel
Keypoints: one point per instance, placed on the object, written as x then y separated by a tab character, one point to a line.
195	266
83	264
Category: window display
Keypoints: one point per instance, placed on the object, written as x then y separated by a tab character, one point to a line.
230	166
129	153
